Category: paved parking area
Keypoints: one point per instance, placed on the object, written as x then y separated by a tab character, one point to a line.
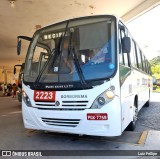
14	136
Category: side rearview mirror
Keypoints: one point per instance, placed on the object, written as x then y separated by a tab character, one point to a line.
19	47
19	42
14	71
23	64
126	45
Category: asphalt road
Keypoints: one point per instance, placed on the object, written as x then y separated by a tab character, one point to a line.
149	117
13	135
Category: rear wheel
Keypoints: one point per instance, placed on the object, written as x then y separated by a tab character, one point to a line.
147	103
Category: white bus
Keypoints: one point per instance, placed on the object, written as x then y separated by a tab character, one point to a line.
84	76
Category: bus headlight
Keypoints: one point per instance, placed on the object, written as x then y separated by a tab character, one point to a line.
103	99
26	99
110	94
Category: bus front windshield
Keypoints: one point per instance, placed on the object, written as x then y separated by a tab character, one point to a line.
77	50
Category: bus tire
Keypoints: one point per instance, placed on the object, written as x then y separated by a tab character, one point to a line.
132	125
148	102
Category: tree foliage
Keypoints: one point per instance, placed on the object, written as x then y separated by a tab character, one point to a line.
155	67
155	61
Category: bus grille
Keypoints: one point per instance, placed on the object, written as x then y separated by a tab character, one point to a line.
61	122
65	105
74	103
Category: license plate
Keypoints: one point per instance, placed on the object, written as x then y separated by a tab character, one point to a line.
44	95
97	116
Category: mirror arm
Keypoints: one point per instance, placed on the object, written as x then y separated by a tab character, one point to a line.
24	37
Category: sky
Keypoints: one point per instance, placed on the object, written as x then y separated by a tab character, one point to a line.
146	31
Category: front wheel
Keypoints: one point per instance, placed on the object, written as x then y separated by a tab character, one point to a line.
132	125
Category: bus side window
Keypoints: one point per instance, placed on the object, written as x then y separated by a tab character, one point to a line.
147	66
144	64
35	59
133	54
125	56
139	58
121	58
136	56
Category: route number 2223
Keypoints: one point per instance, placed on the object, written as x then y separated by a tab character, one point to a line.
44	95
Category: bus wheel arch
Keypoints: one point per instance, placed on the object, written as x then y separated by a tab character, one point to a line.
132	125
148	102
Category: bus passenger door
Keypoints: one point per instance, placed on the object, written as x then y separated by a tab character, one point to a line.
125	73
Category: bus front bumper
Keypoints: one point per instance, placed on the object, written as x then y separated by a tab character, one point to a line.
75	122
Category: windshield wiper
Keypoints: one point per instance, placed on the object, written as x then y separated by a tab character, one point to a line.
71	50
44	67
75	59
57	52
60	47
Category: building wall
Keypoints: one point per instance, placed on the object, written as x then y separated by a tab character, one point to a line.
8	77
1	76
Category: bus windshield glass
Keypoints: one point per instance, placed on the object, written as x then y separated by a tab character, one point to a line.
76	50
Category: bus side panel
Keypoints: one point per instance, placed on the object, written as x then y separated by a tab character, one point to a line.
136	84
141	89
127	100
